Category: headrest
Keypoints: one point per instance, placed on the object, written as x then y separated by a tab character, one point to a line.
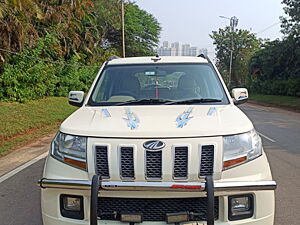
186	82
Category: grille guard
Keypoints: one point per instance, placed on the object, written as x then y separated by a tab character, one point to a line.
96	184
209	186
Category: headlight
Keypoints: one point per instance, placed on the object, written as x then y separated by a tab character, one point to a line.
70	149
241	148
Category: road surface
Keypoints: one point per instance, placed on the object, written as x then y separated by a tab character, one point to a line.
280	130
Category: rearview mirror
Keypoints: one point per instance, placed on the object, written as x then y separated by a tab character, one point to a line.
240	95
76	98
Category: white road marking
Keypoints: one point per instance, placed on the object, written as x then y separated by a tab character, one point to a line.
20	168
266	137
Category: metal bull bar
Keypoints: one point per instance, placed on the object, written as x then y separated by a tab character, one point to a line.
94	198
209	186
96	186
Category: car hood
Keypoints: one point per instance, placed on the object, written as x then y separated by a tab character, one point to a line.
161	121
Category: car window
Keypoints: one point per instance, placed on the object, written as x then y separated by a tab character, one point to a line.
172	82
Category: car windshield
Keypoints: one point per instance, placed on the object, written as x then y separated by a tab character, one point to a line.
158	84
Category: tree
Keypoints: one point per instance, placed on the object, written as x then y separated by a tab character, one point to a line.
74	24
276	66
15	24
244	46
84	34
85	28
291	24
141	28
141	31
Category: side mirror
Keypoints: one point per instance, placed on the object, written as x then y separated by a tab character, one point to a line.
240	95
76	98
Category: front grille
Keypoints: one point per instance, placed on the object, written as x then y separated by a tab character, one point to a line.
207	160
102	161
154	209
153	164
180	163
127	163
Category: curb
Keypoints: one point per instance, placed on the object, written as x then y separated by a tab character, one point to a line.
24	154
289	108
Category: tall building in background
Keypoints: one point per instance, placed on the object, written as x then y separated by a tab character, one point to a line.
164	50
176	49
186	50
165	44
194	51
159	51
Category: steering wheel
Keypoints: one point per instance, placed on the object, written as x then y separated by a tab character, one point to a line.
126	93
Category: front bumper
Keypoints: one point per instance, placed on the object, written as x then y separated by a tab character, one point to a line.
48	220
208	187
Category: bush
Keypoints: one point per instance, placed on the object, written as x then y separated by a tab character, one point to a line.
277	66
36	72
74	76
289	87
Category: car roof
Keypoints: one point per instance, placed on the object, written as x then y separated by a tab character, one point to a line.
155	59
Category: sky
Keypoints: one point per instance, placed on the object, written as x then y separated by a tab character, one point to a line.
191	21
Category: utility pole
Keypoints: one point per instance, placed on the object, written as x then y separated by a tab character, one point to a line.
123	29
233	23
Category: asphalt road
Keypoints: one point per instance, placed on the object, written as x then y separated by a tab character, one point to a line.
280	131
20	197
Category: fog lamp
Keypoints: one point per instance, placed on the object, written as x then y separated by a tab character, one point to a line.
177	217
71	206
240	207
71	203
131	217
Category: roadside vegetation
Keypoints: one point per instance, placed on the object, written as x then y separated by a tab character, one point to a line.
285	102
24	123
49	47
264	67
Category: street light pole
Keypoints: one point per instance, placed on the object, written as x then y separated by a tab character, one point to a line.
123	29
233	23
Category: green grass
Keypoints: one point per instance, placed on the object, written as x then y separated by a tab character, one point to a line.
276	100
24	123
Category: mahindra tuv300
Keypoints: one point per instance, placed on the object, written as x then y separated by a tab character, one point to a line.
157	140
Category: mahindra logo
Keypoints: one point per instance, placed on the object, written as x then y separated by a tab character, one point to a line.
154	145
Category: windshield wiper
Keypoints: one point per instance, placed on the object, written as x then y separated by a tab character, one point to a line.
149	101
192	101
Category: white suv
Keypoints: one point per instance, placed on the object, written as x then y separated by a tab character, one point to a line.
157	140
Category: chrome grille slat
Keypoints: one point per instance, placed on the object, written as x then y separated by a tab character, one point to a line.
102	161
207	160
153	164
127	163
180	170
